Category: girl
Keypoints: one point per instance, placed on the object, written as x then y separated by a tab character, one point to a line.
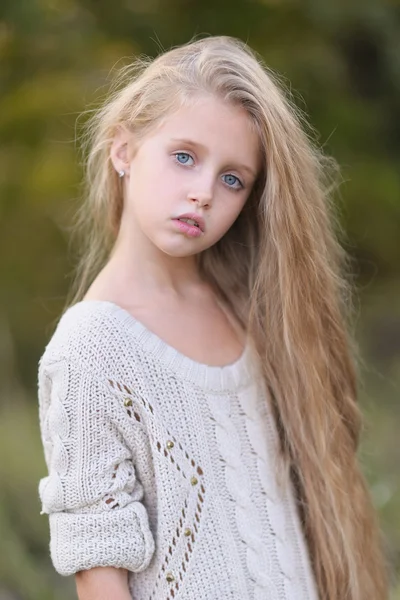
198	398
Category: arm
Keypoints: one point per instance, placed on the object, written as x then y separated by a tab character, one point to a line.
102	583
91	494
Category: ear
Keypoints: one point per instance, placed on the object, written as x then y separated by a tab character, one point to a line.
119	150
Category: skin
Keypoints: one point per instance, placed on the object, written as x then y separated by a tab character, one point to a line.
102	583
153	263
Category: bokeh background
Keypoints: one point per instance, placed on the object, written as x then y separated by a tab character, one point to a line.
340	58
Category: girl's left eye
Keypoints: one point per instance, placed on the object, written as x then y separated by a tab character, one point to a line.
233	181
183	158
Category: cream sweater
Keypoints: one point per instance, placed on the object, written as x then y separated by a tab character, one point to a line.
163	466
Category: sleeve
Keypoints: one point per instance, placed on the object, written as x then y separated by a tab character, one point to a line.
91	493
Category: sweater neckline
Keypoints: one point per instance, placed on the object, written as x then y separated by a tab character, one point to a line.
227	377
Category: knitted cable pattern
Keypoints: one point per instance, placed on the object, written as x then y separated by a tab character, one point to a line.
238	483
264	441
56	431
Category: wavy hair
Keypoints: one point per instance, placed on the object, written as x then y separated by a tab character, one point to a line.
285	276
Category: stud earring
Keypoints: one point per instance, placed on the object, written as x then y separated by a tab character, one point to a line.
121	173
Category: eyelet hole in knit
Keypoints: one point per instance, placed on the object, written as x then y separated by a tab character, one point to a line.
109	502
167	449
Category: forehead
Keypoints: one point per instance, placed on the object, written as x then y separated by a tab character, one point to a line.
219	126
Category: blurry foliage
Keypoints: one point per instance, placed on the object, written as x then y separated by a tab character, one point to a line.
341	60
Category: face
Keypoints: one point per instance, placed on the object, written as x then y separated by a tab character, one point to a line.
189	178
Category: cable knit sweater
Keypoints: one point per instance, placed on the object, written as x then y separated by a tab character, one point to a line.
163	466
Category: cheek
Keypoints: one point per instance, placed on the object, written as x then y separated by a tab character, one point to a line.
153	200
154	186
228	212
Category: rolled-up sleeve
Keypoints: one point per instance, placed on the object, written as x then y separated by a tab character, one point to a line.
91	494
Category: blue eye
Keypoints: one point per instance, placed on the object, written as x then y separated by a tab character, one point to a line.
183	158
231	180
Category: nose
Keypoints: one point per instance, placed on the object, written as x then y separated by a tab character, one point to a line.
201	190
203	199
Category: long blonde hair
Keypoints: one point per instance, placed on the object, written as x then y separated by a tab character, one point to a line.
284	274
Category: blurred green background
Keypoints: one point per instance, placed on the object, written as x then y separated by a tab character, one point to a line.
342	61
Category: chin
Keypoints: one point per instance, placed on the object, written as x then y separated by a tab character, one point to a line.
178	247
179	253
182	249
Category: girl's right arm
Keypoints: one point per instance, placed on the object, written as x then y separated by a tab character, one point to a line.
102	583
99	528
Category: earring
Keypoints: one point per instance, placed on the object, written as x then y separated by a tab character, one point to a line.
121	173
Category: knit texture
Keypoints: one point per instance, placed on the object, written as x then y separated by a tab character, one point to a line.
164	466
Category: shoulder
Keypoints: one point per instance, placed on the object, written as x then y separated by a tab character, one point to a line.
90	334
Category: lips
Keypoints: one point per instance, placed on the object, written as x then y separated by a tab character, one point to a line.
192	219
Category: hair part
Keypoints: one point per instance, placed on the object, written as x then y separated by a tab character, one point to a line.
285	276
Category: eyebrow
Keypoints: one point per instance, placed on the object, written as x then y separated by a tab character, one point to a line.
204	148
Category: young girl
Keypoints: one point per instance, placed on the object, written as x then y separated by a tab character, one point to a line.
198	398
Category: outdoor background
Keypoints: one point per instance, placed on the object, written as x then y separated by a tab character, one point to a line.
340	58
